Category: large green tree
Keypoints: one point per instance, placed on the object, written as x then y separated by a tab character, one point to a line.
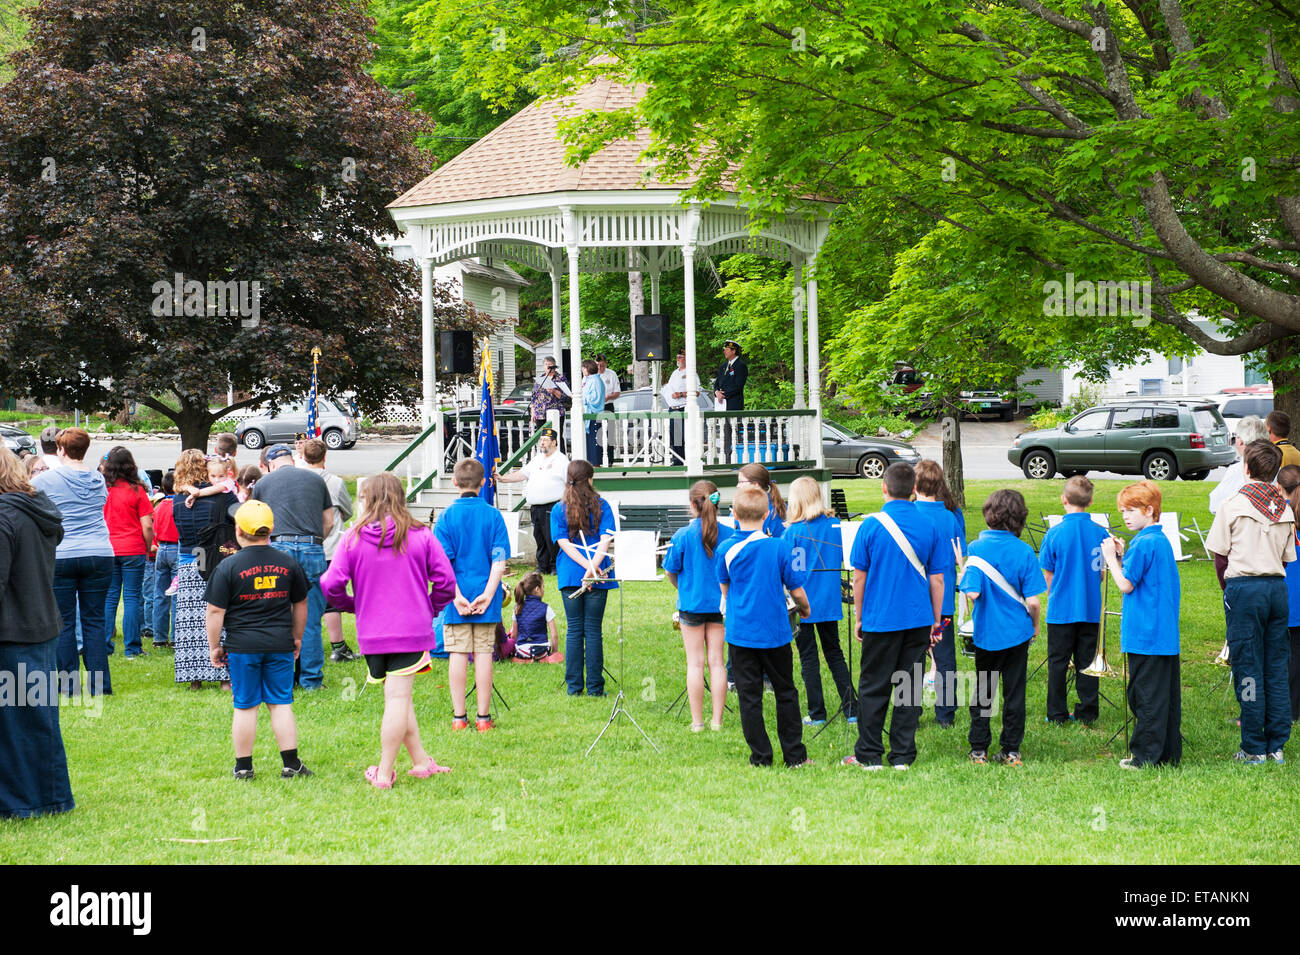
1152	141
224	142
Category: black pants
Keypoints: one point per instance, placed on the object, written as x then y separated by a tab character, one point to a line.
1155	696
1294	674
810	664
890	659
1066	642
1010	668
777	664
547	549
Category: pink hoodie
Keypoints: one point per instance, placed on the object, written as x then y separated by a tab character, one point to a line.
390	589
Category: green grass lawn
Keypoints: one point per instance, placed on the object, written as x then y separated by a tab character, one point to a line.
154	768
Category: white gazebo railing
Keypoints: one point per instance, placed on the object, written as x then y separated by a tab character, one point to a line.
639	441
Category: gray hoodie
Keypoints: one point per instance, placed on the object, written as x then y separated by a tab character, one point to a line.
80	497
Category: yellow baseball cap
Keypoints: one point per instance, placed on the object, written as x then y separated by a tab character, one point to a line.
254	518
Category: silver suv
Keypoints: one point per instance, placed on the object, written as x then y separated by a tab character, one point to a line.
338	429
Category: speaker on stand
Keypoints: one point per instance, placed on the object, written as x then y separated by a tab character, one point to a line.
456	352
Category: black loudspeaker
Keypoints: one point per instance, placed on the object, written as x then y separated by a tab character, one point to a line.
457	352
652	338
566	365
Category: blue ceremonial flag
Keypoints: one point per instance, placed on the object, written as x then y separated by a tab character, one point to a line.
489	448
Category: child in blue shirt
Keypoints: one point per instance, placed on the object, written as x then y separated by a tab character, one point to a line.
934	501
752	568
533	629
473	533
689	566
899	561
755	475
1148	628
1003	579
1073	567
814	532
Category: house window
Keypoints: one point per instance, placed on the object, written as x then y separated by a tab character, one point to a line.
1152	386
1175	366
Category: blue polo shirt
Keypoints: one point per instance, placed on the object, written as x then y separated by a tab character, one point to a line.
473	533
1000	621
1150	621
773	526
1072	552
567	570
1293	590
951	526
896	597
755	567
819	549
697	581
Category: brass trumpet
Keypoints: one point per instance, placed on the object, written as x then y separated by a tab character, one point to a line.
1099	666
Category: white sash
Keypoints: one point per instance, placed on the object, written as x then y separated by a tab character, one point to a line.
995	575
903	543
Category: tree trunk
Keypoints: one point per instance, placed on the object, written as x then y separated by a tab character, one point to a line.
1283	356
953	475
636	306
195	423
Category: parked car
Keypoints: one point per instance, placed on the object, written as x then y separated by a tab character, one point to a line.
16	439
522	395
849	453
642	399
460	434
990	401
1235	407
338	428
1160	439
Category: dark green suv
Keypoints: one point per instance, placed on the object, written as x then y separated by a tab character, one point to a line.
1159	439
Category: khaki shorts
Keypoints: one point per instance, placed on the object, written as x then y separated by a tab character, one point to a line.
469	637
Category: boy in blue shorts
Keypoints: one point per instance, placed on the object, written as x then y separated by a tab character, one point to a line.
473	534
1148	628
1004	580
1073	568
752	569
259	595
899	560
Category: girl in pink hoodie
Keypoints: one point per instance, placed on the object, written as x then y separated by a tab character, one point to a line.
391	560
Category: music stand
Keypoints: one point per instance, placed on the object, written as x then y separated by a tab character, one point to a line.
633	568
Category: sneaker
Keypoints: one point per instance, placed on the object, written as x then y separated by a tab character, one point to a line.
731	686
459	723
1051	722
173	588
853	721
806	762
1008	759
1250	759
243	774
851	760
697	727
1277	757
715	727
1127	763
343	654
767	686
146	634
809	721
302	770
979	757
484	725
901	765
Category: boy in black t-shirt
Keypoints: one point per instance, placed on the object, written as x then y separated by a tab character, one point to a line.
259	595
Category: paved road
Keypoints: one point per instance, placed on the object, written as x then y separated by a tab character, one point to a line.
984	453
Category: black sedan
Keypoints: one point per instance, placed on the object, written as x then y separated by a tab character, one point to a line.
16	439
849	453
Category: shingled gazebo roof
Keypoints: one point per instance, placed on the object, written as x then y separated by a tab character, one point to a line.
524	155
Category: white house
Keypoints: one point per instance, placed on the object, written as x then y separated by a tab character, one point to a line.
492	288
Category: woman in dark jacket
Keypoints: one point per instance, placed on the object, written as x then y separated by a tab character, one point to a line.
33	765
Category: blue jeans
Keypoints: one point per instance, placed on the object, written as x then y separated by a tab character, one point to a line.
582	641
35	778
594	455
311	661
945	674
128	573
164	569
146	596
83	580
1259	645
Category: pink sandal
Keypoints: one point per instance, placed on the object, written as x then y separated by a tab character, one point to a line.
424	772
372	774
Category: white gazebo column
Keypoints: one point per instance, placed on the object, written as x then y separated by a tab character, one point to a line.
694	423
814	431
433	450
654	309
577	430
798	295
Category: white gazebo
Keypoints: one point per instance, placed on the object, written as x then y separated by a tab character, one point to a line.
512	198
